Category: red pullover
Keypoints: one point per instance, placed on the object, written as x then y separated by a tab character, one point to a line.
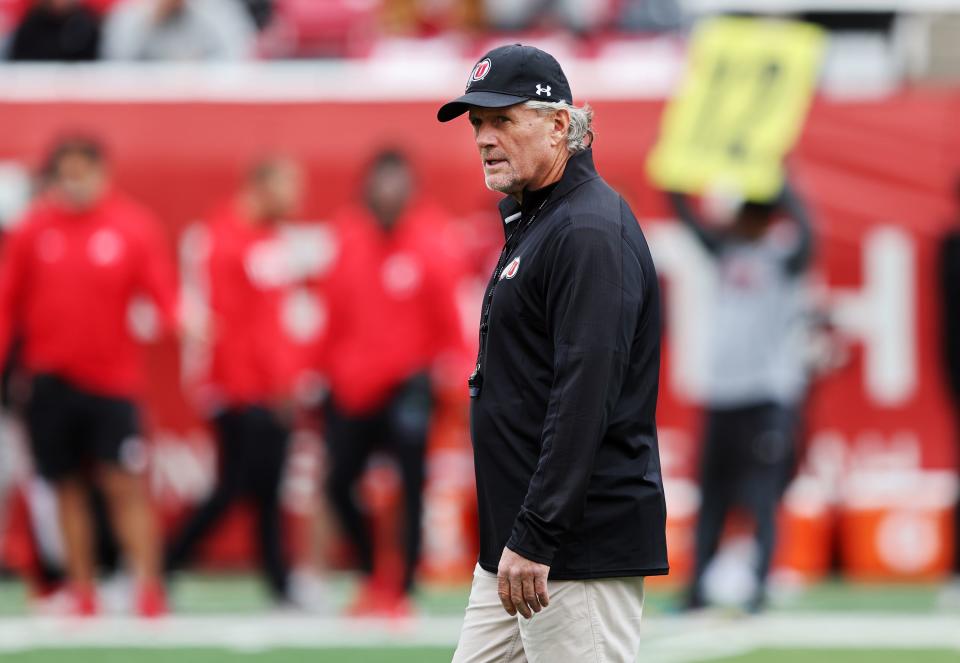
392	307
66	283
253	357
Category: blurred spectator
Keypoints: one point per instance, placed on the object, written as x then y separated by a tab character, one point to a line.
393	319
56	30
430	17
580	16
8	360
950	293
757	374
251	372
68	275
261	11
7	466
650	15
178	30
333	28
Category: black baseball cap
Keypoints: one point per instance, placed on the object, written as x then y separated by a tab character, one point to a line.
510	75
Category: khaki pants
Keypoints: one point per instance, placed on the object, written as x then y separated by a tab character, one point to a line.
587	621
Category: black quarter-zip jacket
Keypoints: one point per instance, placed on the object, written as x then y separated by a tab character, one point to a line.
564	400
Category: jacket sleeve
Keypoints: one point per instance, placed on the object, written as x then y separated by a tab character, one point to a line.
448	340
158	274
802	255
13	275
333	295
710	240
590	318
228	293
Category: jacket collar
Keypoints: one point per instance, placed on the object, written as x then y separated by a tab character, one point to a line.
579	169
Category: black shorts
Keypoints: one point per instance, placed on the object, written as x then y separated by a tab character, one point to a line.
70	429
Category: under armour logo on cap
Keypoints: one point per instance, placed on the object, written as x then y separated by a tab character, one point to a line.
543	90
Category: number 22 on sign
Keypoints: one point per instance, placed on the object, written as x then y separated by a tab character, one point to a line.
741	106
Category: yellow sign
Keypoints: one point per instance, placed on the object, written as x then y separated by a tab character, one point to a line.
741	107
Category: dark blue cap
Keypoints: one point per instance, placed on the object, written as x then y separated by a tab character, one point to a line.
510	75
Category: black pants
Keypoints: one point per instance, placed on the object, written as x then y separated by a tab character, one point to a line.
400	426
956	538
748	456
72	428
253	449
956	508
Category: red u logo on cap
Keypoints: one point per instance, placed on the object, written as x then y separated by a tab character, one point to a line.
481	70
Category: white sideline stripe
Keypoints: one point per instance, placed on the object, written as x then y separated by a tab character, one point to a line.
683	640
238	632
390	80
679	639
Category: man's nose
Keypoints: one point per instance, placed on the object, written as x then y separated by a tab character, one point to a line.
486	137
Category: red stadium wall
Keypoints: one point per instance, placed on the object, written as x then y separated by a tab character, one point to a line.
877	175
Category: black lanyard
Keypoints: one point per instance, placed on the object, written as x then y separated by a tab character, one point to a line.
475	382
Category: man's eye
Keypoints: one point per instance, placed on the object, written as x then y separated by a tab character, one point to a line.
501	119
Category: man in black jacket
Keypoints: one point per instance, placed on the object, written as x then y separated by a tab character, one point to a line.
950	292
564	391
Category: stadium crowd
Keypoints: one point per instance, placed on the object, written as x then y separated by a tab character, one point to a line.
231	30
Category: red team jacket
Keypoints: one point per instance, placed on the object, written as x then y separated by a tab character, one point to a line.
253	359
391	305
66	283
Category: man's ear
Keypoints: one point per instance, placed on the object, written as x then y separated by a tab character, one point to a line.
561	124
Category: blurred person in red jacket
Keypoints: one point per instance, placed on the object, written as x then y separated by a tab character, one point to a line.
251	370
69	273
393	318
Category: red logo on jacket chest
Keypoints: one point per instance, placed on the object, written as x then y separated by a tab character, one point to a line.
511	270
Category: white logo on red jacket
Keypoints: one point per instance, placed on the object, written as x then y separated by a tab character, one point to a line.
511	269
401	274
267	263
105	247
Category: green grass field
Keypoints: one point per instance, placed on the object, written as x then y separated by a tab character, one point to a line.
436	656
199	594
352	655
226	618
843	656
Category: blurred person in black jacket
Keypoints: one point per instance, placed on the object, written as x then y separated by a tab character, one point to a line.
56	30
950	292
261	11
757	374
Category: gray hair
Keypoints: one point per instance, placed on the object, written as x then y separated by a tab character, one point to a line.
581	122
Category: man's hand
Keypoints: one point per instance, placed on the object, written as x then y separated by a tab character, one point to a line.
522	584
